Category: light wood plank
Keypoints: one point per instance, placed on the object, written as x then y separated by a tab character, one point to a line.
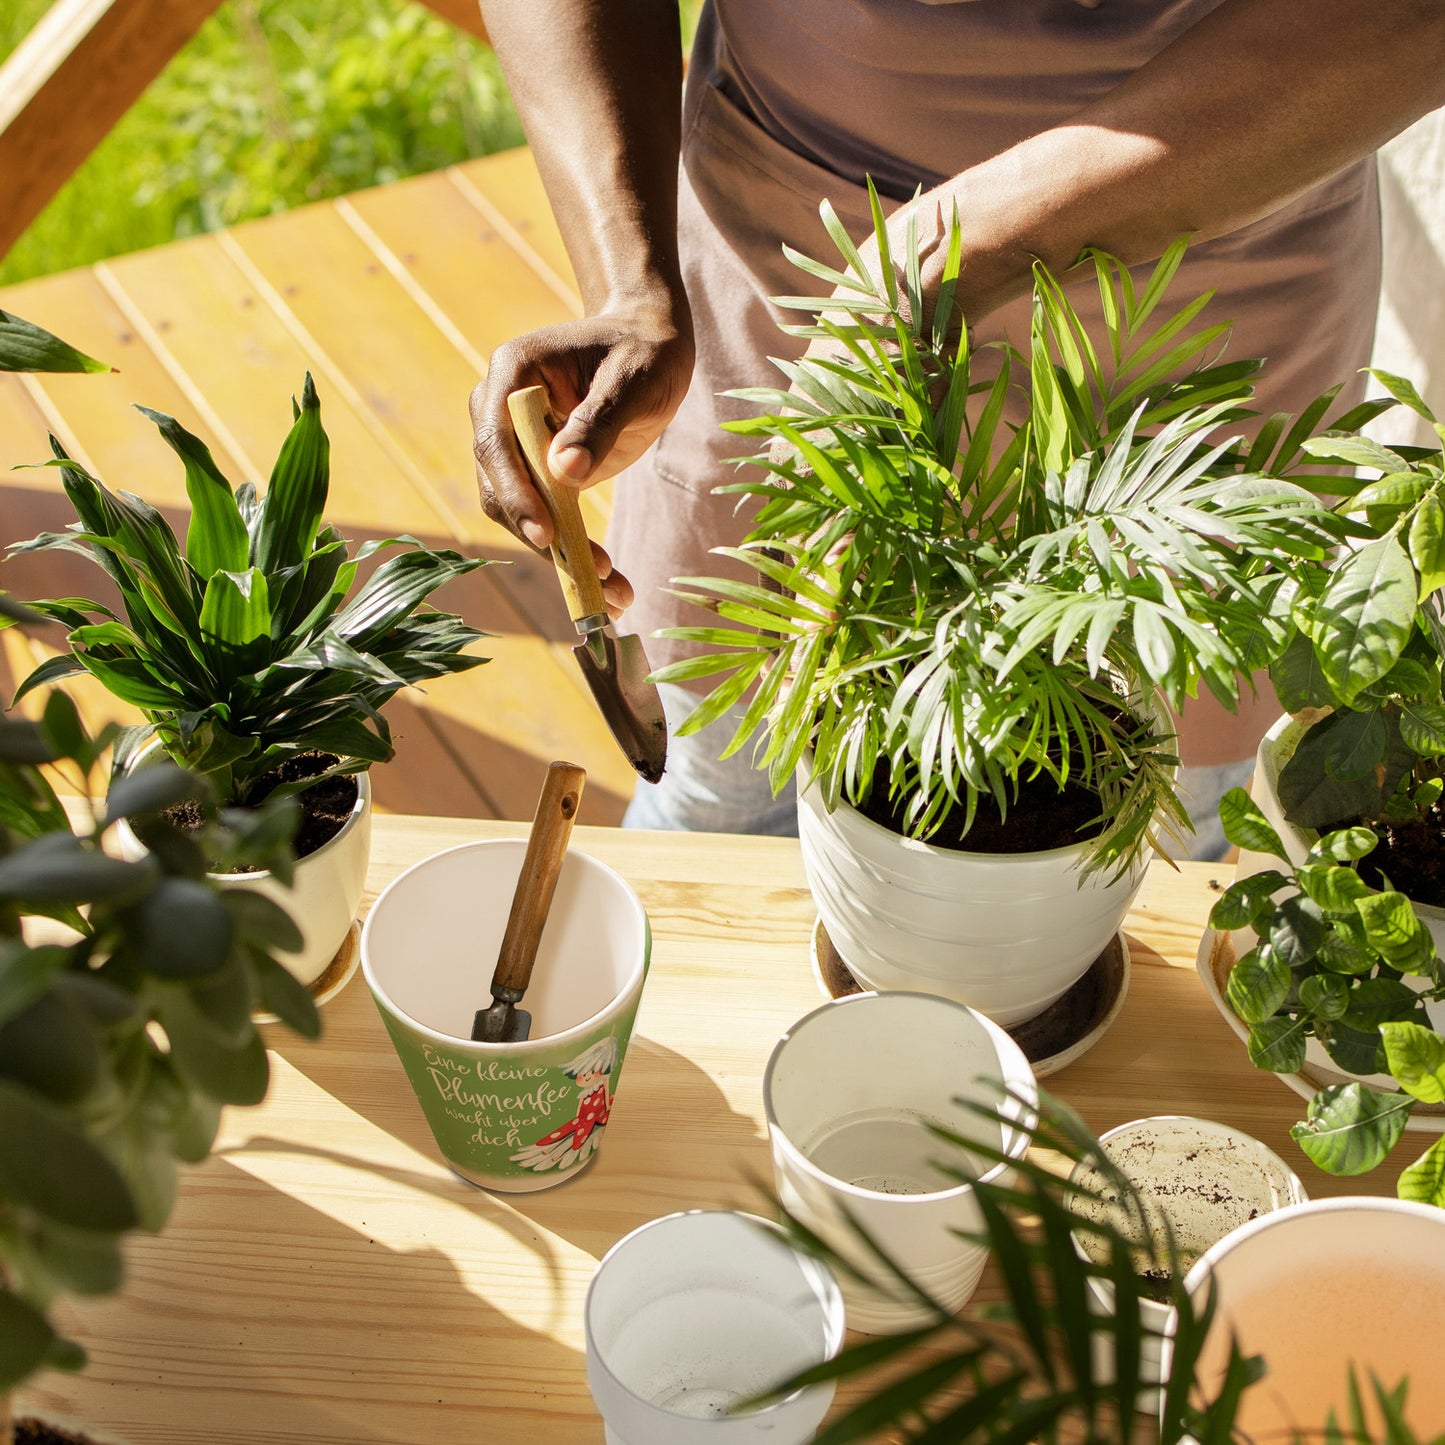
326	1279
99	412
458	258
508	189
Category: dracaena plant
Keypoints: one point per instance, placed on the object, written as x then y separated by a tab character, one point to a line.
1333	959
127	991
1363	663
252	643
958	604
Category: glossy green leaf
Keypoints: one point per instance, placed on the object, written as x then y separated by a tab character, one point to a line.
1395	933
1365	616
1243	899
1299	679
1427	544
1416	1056
1424	1180
1296	931
296	494
237	608
181	929
27	347
1422	725
217	540
1258	984
26	1337
51	1166
1349	1129
1355	747
1246	826
59	868
1346	845
1278	1044
1324	995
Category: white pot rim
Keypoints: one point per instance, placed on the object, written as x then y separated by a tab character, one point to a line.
1013	1066
255	875
852	817
830	1301
1340	1204
624	999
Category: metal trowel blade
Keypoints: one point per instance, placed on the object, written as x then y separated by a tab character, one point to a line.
627	699
502	1023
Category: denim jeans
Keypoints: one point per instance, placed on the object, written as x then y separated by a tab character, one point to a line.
699	793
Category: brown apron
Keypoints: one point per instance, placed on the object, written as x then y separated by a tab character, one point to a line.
787	103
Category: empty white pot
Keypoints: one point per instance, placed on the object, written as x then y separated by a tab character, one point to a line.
1318	1288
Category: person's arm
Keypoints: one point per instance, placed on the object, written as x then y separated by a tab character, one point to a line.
1259	101
598	86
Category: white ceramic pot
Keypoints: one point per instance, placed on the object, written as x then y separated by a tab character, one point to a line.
1275	750
1319	1287
850	1093
691	1316
325	895
1006	934
1206	1180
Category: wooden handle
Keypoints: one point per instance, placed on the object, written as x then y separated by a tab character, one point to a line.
571	551
546	848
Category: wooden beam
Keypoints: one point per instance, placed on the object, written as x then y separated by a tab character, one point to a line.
464	14
69	81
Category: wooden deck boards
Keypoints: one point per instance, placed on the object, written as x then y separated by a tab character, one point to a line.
393	299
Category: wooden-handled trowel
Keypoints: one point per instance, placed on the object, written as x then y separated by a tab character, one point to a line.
503	1022
615	667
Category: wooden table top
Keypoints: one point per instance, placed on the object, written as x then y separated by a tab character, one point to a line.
326	1279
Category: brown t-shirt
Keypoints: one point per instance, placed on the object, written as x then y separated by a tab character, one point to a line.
791	101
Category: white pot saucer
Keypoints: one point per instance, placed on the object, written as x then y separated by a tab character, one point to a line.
1050	1041
336	975
1214	961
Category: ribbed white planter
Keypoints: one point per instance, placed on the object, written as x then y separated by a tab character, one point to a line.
1275	750
1006	934
326	891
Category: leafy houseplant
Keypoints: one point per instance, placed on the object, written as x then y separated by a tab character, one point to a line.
127	1025
247	649
257	660
962	621
1362	670
1332	961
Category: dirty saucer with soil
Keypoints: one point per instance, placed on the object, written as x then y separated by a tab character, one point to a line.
1197	1181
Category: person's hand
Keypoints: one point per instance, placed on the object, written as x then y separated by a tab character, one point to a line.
614	382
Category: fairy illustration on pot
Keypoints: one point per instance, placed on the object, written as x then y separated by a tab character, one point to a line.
574	1142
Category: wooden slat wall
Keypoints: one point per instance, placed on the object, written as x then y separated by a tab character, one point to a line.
393	299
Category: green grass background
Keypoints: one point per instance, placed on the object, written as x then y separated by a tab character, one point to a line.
272	104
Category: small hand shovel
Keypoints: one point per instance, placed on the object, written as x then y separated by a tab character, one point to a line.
504	1022
615	668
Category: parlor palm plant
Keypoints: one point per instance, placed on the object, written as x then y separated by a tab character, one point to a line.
953	605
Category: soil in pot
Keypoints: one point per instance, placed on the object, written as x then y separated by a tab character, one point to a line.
324	807
1411	855
30	1431
1041	817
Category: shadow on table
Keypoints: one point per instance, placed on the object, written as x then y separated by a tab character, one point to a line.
674	1142
287	1324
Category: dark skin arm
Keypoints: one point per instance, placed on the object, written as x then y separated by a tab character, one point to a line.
1251	107
598	85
